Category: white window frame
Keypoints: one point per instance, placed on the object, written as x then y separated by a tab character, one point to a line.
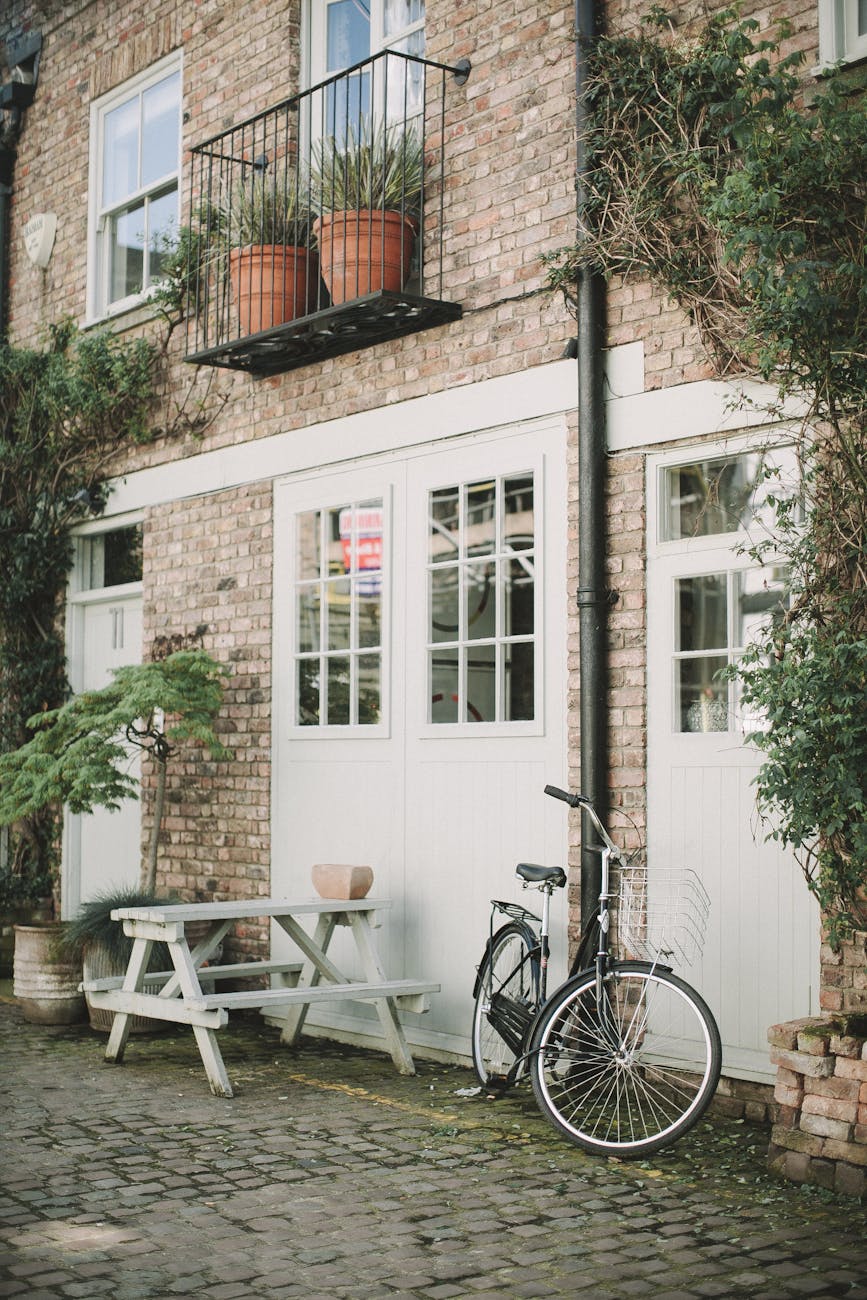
317	29
98	250
839	39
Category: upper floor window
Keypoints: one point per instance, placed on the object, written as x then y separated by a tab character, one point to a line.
134	172
842	30
345	32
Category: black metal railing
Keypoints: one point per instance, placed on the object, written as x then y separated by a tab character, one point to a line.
318	225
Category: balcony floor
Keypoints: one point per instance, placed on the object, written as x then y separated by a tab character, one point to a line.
354	325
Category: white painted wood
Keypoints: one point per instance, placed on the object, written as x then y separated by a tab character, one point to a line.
442	814
761	962
182	1000
102	850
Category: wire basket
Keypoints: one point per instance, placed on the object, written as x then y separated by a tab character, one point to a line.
662	914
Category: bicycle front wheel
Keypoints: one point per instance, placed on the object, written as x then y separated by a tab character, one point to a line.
506	994
630	1071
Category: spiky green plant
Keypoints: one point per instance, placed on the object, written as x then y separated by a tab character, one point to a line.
376	167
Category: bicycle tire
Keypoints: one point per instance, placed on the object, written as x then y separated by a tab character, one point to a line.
636	1082
506	996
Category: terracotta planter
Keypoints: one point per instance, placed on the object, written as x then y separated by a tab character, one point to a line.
363	252
271	284
340	880
46	984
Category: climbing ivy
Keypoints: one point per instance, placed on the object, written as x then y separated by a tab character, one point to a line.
64	410
739	190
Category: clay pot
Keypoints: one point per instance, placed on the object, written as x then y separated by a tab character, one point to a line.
337	880
271	284
365	251
46	982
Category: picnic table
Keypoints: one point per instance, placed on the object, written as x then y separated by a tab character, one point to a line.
189	995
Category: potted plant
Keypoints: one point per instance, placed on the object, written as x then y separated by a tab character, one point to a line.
259	236
78	756
366	190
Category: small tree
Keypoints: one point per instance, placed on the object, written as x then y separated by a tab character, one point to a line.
79	753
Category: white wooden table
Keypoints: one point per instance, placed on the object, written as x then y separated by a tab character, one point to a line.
188	994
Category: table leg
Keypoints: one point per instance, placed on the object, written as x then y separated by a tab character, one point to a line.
316	963
191	990
133	982
386	1008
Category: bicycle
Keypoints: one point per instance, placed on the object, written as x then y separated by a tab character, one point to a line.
624	1057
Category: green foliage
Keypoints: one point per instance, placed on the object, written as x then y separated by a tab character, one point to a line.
380	167
79	753
713	174
64	410
94	927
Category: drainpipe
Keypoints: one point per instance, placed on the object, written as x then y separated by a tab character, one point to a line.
593	598
16	95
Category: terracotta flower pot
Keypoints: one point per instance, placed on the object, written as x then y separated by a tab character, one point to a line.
340	880
365	251
271	284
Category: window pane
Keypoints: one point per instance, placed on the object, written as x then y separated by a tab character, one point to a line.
444	587
348	34
127	253
518	501
445	525
481	510
725	495
519	683
480	601
120	152
400	14
337	669
122	550
337	614
444	686
309	536
308	618
519	596
481	684
162	231
701	612
159	143
761	597
702	697
369	689
368	606
308	692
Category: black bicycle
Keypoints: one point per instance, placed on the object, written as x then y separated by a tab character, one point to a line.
625	1056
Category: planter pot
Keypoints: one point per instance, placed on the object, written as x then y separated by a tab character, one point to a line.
271	284
340	880
365	251
99	964
46	985
36	913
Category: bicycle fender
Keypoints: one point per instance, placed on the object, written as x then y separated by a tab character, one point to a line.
531	941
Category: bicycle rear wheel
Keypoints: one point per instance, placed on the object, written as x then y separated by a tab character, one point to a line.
629	1072
506	994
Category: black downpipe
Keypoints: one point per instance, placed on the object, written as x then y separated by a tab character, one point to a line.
592	596
16	95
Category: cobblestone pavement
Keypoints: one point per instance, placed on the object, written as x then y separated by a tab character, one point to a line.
329	1175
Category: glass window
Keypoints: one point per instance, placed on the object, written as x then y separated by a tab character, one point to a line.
725	494
717	615
111	559
135	216
338	613
481	585
345	32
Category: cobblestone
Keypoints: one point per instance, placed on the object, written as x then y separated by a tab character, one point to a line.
328	1175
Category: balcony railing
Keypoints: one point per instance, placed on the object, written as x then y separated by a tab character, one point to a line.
317	226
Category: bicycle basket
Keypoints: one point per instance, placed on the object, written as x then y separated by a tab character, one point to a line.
662	914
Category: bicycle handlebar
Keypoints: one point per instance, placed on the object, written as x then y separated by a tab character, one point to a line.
581	801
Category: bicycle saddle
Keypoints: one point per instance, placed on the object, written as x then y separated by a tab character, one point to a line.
536	875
